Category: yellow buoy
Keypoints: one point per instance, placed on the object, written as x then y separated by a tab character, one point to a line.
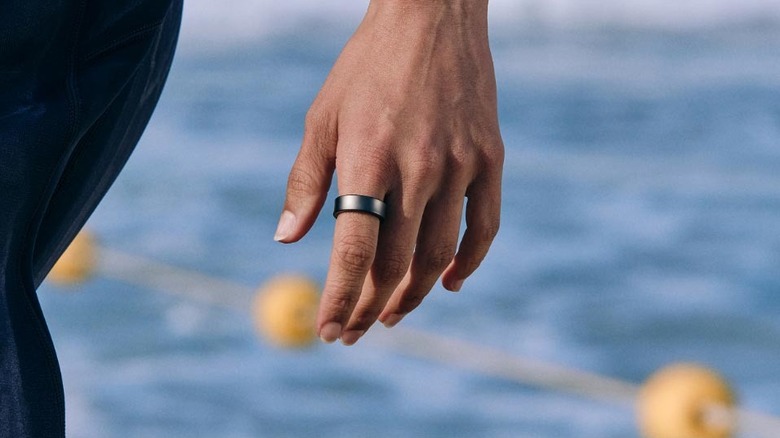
77	263
285	311
686	401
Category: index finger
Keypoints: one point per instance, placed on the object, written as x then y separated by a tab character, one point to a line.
354	247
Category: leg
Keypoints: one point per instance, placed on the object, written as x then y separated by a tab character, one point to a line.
79	83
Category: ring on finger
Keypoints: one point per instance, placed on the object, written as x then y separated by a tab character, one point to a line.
360	204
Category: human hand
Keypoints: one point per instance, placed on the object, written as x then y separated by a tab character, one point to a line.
408	114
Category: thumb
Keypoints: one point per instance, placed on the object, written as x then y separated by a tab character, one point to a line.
309	180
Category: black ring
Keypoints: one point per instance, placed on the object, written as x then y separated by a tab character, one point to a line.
361	204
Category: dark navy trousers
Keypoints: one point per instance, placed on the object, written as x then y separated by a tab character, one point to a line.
79	80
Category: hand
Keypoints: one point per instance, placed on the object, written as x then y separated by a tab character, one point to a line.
408	115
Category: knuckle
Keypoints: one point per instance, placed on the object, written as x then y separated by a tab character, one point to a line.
411	302
460	158
319	129
300	181
437	260
493	157
427	162
485	233
339	304
391	269
364	319
355	254
315	119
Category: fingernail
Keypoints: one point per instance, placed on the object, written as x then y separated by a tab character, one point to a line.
393	319
330	332
285	227
457	285
349	337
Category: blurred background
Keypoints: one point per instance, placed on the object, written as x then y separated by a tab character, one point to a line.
641	226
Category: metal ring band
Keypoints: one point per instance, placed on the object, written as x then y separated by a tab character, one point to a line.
361	204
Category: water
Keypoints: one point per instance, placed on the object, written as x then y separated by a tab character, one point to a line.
641	226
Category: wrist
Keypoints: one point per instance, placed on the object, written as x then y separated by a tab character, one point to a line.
460	13
462	9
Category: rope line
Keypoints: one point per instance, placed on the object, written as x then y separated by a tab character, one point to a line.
506	366
147	273
150	274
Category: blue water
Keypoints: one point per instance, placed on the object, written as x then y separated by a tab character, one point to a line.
641	227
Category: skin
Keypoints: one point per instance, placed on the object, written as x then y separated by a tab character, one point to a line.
408	114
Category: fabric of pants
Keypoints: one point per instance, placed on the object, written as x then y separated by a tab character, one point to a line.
79	80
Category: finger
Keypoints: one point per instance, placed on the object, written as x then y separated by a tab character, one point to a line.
309	179
483	216
395	247
436	245
354	248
